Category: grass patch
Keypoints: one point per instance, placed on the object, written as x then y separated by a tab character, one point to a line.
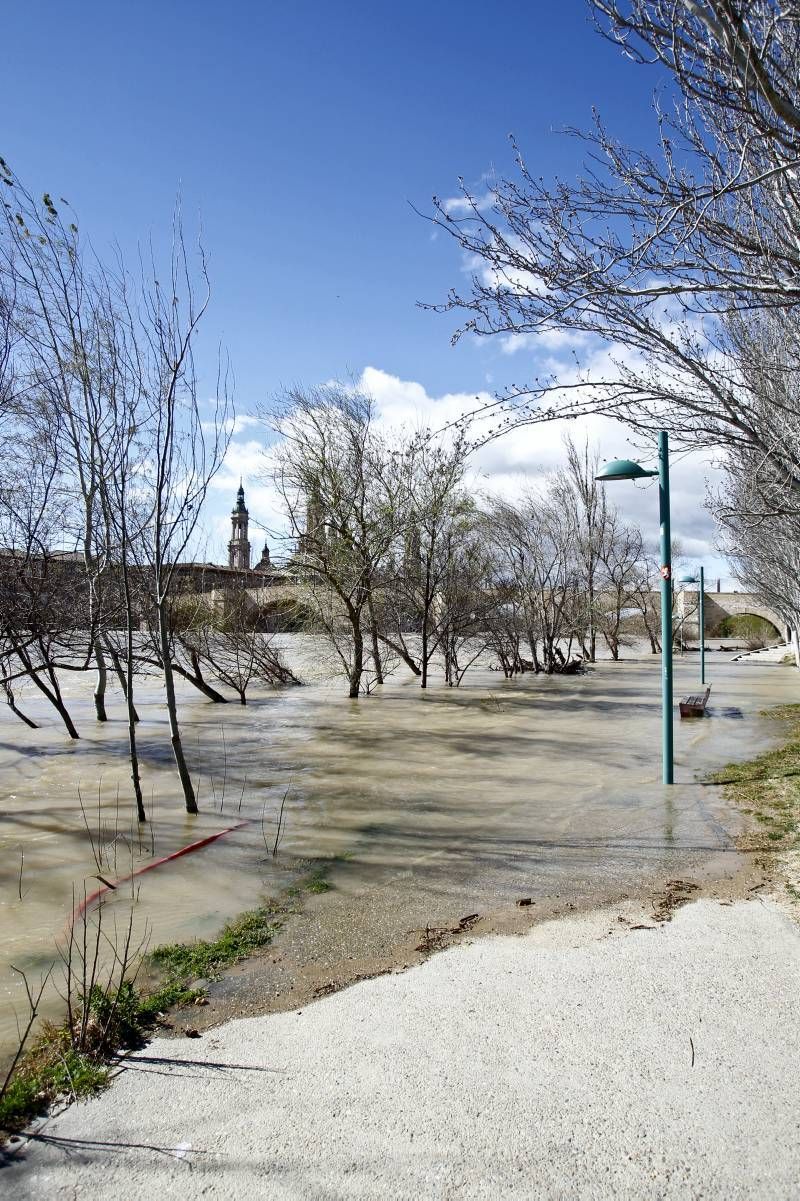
181	963
768	787
49	1072
52	1067
316	881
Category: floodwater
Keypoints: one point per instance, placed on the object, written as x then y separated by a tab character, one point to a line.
537	787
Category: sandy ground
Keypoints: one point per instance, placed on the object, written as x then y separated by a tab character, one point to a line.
587	1059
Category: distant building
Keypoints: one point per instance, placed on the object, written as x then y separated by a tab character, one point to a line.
239	545
49	590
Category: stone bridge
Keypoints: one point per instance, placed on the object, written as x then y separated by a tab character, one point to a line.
718	606
280	587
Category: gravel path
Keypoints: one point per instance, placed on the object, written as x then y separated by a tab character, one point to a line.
584	1060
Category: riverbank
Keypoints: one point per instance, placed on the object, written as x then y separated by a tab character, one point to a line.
766	790
431	806
495	879
607	1054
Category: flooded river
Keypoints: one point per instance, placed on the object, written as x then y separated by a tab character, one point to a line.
445	801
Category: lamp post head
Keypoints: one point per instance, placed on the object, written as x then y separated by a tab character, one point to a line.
689	578
623	469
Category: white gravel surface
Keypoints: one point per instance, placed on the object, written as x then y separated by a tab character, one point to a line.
584	1060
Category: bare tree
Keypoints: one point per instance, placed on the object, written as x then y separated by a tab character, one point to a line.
125	512
536	541
339	482
226	640
438	512
761	536
467	599
41	601
64	366
185	445
621	556
641	261
585	498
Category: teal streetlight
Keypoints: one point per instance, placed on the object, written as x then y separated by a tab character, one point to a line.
625	469
699	579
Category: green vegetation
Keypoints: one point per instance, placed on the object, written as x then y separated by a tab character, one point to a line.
122	1019
72	1061
768	787
747	627
50	1070
181	963
314	882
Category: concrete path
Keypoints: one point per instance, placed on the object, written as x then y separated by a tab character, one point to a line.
584	1060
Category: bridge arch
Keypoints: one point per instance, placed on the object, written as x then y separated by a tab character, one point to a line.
747	625
725	611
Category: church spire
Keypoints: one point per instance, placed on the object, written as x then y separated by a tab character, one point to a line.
239	546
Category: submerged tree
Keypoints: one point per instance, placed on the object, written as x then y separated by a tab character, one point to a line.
339	481
437	524
42	605
185	445
97	379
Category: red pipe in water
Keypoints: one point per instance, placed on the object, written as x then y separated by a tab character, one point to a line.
81	909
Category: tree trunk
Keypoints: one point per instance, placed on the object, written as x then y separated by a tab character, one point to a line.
376	650
424	664
53	693
399	649
133	754
376	655
357	669
121	676
58	702
101	681
13	707
133	716
426	615
200	684
172	711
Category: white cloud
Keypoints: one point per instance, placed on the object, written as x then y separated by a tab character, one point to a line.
527	454
233	425
503	466
546	339
460	206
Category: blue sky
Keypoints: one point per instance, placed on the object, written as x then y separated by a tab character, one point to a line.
301	134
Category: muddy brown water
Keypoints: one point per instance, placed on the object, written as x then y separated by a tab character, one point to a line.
427	805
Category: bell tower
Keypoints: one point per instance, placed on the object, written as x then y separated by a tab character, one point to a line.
239	546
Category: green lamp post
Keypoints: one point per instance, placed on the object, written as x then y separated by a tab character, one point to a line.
699	579
625	469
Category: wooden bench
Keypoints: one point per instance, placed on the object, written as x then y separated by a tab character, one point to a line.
694	706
